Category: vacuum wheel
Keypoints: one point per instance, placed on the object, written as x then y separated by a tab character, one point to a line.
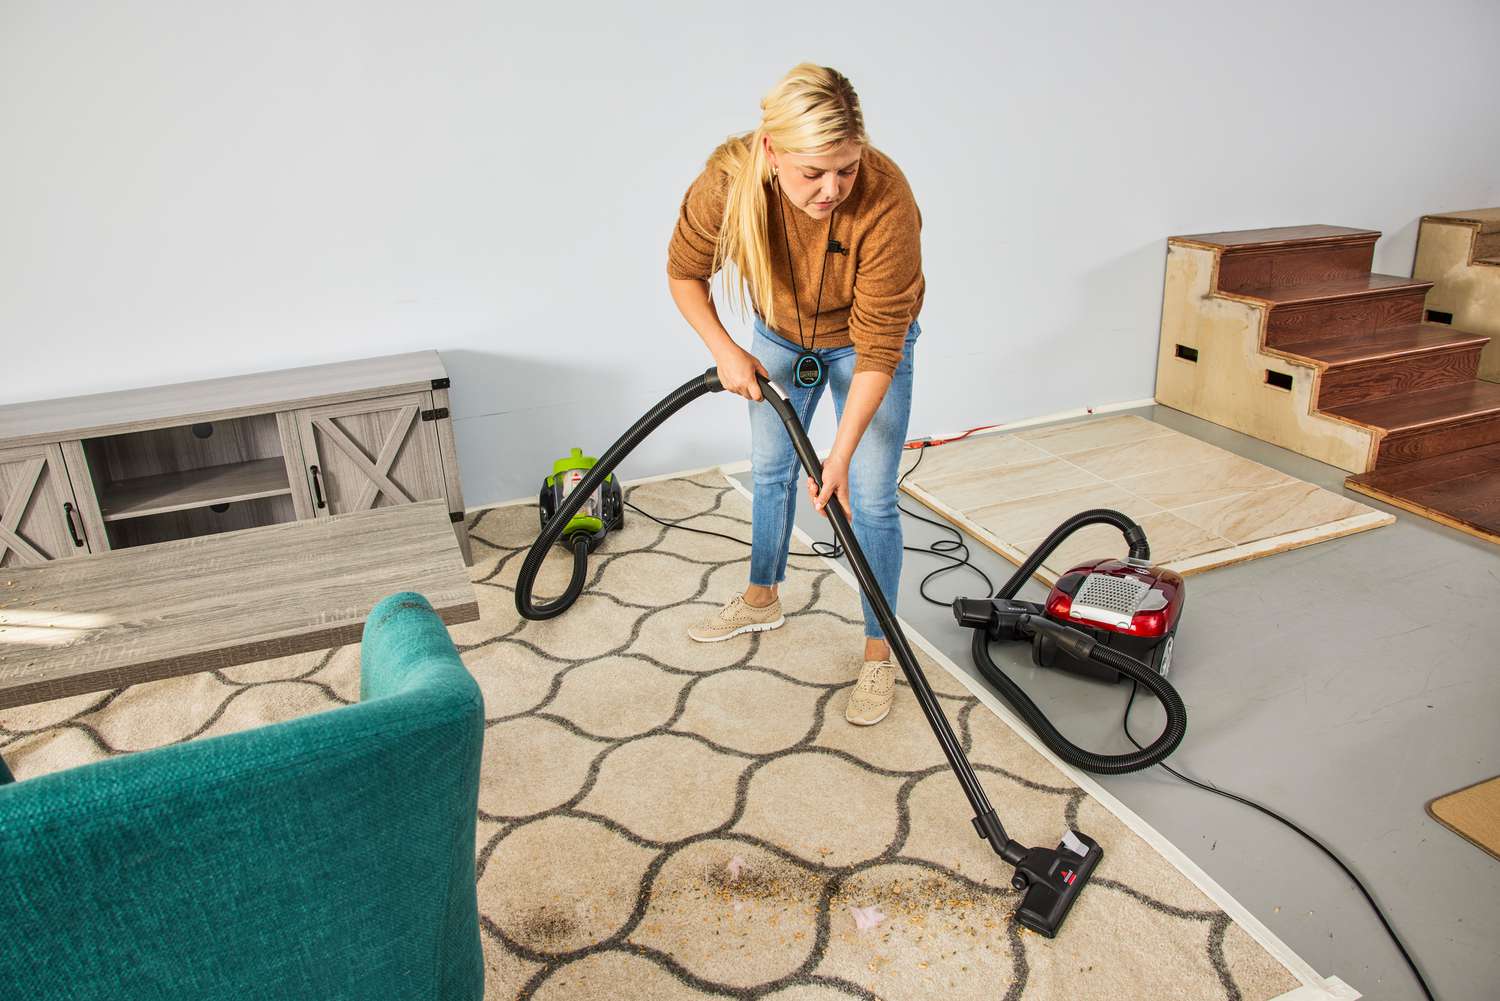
1161	657
544	504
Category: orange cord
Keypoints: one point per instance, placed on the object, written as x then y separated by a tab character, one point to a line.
929	442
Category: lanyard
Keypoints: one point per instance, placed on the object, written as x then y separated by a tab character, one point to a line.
808	371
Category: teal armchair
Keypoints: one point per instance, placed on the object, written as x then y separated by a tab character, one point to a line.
324	858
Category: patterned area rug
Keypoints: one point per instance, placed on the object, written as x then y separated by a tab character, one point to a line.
670	820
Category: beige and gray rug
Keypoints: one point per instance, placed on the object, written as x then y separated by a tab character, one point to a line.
1201	507
668	820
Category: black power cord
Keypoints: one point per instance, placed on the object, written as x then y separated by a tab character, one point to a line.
942	548
1125	723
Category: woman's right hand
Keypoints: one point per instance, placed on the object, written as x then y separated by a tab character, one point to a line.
737	371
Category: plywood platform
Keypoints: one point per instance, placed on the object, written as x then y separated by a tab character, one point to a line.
1201	507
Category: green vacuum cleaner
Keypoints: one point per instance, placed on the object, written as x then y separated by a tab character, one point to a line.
600	512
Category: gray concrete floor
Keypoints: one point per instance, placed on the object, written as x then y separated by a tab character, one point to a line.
1343	685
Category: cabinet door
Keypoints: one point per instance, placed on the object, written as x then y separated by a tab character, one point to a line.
39	518
371	453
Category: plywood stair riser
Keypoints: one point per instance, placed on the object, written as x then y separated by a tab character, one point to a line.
1460	254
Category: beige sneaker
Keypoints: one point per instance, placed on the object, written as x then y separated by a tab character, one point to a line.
871	698
738	616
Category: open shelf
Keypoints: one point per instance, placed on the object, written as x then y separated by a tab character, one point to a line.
163	493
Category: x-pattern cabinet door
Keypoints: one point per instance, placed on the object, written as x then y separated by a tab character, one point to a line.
39	518
371	453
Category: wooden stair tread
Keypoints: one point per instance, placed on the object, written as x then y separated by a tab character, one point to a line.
1426	408
1438	469
1461	489
1492	261
1279	236
1387	343
1487	219
1336	288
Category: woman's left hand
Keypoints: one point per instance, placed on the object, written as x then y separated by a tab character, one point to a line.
835	481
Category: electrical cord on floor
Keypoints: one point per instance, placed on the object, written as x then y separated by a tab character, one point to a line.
942	548
1125	723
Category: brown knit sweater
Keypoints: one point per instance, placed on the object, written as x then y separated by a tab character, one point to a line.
870	295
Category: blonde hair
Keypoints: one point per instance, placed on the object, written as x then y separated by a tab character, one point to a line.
813	109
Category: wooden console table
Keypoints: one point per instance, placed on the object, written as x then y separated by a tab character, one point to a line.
197	604
112	471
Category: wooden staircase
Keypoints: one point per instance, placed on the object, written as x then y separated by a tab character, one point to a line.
1285	334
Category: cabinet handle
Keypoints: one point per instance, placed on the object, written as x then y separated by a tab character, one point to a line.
68	512
317	487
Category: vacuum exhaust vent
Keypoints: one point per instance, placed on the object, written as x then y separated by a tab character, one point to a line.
1107	598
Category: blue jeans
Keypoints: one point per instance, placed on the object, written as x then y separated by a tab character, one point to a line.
872	472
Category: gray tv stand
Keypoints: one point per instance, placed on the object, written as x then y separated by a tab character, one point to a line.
110	471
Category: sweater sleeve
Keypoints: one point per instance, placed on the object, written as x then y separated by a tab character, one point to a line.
690	254
887	281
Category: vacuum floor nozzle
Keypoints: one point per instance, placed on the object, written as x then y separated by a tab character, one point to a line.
1053	879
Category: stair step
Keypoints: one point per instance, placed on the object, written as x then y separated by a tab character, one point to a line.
1486	223
1348	308
1279	236
1390	361
1429	422
1488	220
1363	286
1461	489
1389	343
1290	255
1425	408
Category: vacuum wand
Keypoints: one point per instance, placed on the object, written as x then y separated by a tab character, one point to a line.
1051	879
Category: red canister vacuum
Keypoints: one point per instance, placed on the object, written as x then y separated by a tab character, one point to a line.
1106	619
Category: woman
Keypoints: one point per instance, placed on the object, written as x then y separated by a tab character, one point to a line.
825	237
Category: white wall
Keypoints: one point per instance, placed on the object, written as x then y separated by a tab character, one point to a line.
193	189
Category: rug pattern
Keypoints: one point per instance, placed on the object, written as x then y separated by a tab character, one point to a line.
665	819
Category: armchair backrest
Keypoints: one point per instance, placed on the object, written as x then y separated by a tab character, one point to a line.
326	857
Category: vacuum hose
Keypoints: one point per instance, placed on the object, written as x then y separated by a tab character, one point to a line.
552	531
1102	764
1031	862
1082	646
1135	538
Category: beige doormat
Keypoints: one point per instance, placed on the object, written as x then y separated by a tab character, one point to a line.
661	819
1201	507
1472	813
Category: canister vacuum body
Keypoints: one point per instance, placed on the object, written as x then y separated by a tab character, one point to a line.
1108	619
1126	605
